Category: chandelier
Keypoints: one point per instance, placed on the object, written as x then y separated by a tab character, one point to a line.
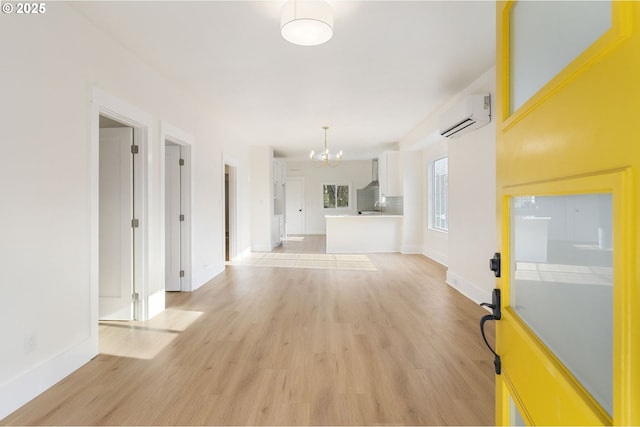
325	158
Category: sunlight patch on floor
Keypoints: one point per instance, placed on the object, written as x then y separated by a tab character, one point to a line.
317	261
144	340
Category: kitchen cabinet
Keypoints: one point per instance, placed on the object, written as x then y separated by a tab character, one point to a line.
389	174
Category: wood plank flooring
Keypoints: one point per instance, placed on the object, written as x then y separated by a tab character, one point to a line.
278	346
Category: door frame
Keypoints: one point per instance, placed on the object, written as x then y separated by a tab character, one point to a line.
228	160
105	104
185	140
286	224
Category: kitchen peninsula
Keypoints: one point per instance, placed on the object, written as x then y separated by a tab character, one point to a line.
363	233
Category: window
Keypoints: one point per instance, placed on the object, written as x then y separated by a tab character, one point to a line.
440	194
336	196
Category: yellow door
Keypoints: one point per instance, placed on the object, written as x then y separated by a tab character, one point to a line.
568	185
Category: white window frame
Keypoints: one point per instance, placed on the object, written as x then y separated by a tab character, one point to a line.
336	184
435	198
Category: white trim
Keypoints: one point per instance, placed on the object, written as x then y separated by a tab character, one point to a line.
467	288
156	303
107	105
437	256
19	390
414	249
175	134
208	273
178	136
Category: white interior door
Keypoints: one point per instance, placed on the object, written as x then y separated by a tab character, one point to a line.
173	260
116	233
295	206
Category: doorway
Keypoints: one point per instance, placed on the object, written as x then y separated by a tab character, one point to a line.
226	213
229	170
116	113
177	207
173	219
117	220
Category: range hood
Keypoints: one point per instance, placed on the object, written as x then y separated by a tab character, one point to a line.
374	176
368	195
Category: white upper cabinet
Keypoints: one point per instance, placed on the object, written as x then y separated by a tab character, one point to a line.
389	174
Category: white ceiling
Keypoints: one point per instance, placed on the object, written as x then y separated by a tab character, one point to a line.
387	67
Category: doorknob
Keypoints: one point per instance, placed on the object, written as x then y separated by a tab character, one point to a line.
495	315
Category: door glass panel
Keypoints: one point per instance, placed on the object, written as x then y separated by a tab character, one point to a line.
545	36
562	280
516	418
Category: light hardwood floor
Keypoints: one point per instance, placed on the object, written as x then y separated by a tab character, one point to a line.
279	346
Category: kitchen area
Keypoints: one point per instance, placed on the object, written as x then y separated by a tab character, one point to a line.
377	224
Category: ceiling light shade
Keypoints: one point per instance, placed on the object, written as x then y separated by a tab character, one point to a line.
306	22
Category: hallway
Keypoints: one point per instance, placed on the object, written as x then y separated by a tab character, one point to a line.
292	346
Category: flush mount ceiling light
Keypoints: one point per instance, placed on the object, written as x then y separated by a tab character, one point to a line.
306	22
325	158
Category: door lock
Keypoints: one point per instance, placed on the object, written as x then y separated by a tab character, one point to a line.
494	264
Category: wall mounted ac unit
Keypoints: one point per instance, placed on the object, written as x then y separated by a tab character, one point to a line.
471	113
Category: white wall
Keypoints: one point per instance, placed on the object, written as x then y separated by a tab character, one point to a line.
50	64
435	243
472	207
413	189
357	173
262	196
471	239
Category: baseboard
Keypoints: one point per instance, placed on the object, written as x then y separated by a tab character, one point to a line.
412	249
438	257
467	288
156	303
23	388
242	255
261	248
202	277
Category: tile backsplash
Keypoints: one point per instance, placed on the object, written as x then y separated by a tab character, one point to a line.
393	206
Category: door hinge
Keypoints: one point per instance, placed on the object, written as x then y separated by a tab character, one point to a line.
134	149
135	297
135	223
181	218
181	162
181	273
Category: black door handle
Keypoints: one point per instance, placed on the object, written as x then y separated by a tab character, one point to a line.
299	210
496	315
